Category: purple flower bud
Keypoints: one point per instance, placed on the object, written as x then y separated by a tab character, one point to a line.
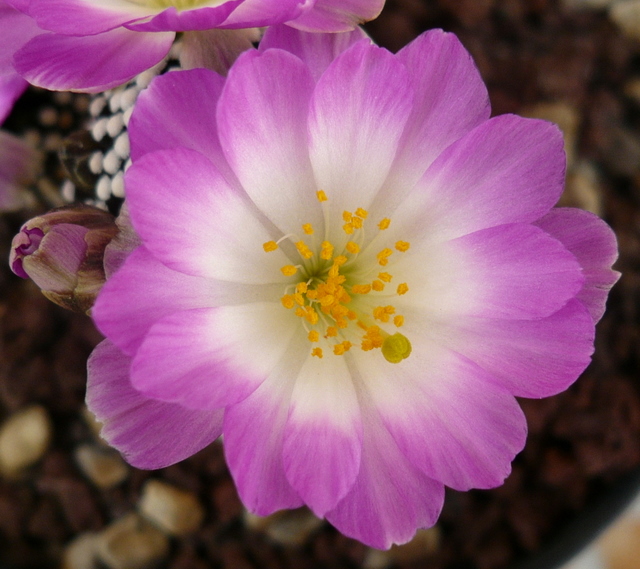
62	252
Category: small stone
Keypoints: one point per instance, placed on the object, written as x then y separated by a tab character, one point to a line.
24	438
111	162
626	15
81	553
103	188
426	542
103	466
99	129
128	98
132	543
172	509
121	146
97	105
117	185
288	527
95	162
115	125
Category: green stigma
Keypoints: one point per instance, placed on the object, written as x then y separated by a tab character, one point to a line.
396	348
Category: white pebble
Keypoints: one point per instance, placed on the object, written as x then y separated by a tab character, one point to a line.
103	188
121	146
99	129
145	78
173	510
128	98
111	162
68	191
24	438
114	101
127	115
97	105
117	185
95	162
115	125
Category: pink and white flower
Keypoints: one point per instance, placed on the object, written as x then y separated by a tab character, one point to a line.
96	45
348	269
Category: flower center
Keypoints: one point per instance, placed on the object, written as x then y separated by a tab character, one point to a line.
339	307
179	4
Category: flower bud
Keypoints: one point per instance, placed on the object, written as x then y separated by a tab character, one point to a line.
62	252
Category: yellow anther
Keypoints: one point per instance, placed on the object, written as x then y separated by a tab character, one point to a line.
383	313
326	250
383	256
302	248
348	228
334	271
308	228
313	336
317	352
356	222
362	213
288	301
289	270
298	298
311	316
269	246
361	289
312	294
352	247
384	224
372	339
342	347
385	277
402	288
340	260
301	287
396	348
343	296
398	320
351	315
327	300
300	312
322	197
332	332
377	285
347	216
402	246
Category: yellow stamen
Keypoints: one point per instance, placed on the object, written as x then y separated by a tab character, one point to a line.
377	285
385	277
322	197
287	301
402	288
301	288
317	352
326	251
348	228
402	246
356	222
289	270
347	216
398	320
332	332
340	260
302	248
307	228
384	224
362	213
313	336
361	289
269	246
383	256
352	247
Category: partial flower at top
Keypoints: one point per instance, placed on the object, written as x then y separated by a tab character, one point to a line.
100	44
349	270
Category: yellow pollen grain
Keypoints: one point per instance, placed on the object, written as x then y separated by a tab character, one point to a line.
308	228
340	260
402	288
361	289
332	332
327	300
352	247
317	352
311	316
289	270
269	246
342	347
301	287
362	213
300	312
383	313
298	298
398	320
357	222
302	248
288	301
347	216
383	256
312	294
322	197
326	250
385	277
377	285
313	336
384	224
402	246
348	228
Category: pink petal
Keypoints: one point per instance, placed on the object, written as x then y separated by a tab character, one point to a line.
509	271
190	99
507	170
323	434
594	244
205	358
358	113
451	99
84	17
338	15
253	438
530	358
391	498
191	220
141	292
317	51
92	63
268	151
448	416
149	433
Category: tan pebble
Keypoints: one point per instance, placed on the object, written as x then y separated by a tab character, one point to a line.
24	438
620	546
424	543
132	543
81	553
288	527
103	466
626	15
172	509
